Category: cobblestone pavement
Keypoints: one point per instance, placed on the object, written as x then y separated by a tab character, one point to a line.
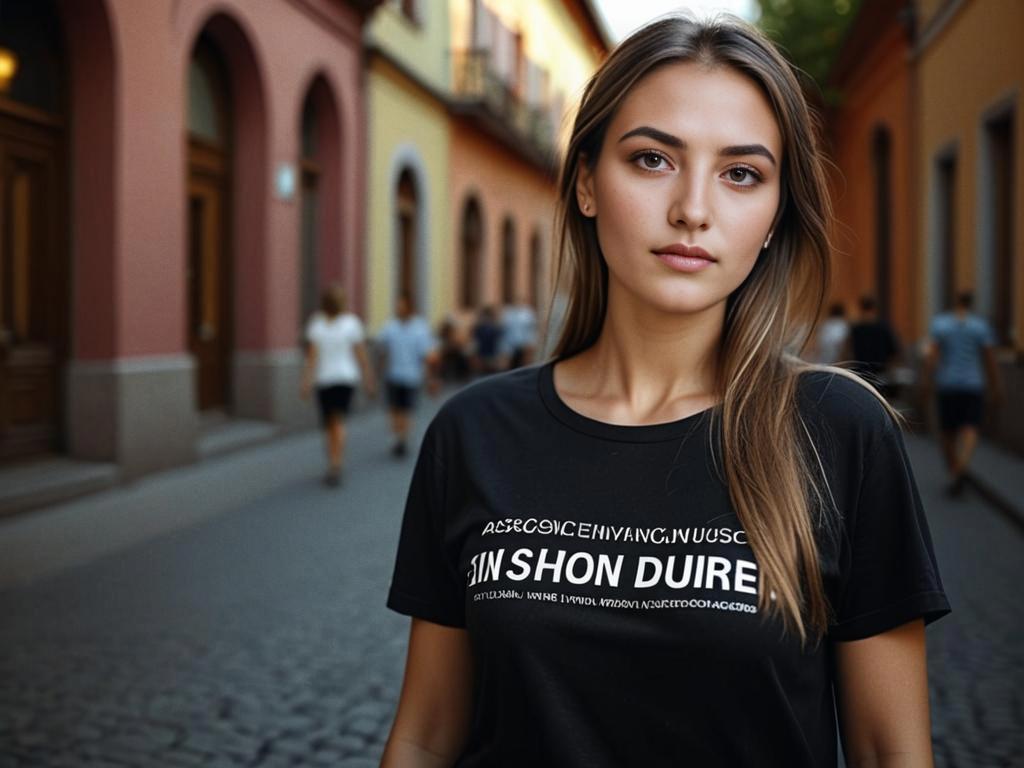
258	638
976	653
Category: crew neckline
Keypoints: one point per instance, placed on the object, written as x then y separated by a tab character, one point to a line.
630	433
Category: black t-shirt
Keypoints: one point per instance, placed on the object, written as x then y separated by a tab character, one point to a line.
610	595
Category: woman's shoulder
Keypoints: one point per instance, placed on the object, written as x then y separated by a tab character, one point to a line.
509	395
841	400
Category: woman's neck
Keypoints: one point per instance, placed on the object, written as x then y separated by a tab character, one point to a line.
648	360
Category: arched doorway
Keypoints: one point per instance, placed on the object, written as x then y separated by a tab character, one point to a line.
472	240
33	219
320	227
508	261
209	273
407	210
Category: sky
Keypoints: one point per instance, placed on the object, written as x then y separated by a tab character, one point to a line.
623	16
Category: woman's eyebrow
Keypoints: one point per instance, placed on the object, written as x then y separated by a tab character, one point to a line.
674	141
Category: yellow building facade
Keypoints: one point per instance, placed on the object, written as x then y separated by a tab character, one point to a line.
409	137
467	105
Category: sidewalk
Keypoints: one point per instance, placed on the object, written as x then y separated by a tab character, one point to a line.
998	475
77	531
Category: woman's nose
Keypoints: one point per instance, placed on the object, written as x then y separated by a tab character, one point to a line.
689	207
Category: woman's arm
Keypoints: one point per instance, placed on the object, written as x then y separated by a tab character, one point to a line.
882	692
432	722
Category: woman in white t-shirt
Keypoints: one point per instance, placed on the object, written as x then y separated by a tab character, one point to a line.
336	361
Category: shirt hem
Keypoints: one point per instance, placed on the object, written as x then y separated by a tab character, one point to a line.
930	606
408	605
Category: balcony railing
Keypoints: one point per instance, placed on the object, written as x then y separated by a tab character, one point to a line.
477	84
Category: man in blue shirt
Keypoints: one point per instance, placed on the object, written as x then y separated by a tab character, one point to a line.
960	344
408	346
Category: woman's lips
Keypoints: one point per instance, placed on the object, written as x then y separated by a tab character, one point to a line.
683	259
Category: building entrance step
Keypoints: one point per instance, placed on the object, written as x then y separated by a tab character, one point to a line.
51	479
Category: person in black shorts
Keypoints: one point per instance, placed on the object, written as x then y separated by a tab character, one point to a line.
336	361
960	364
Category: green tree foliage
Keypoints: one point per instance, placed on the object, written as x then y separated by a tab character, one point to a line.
810	32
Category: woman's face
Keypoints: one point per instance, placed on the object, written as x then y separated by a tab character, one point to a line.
692	158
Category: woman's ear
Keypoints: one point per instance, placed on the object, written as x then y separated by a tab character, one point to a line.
585	187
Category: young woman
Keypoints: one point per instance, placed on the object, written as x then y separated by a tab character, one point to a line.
335	358
674	543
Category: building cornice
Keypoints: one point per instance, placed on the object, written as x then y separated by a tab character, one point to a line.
937	24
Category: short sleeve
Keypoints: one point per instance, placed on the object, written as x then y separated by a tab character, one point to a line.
425	583
891	576
427	340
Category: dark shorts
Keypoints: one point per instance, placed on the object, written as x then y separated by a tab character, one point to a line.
333	399
958	408
401	397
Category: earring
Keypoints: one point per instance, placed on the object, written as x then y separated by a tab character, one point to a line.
768	240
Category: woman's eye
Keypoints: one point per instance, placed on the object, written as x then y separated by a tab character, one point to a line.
649	161
740	176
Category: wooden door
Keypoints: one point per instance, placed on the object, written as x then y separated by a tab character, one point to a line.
208	277
33	288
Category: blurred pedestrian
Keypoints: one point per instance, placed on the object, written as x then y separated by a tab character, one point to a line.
833	333
873	347
487	336
411	356
336	361
959	345
454	362
520	333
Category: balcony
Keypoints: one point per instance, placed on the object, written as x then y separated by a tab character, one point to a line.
481	94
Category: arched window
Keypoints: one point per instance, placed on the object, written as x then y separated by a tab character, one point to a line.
472	238
407	209
881	155
508	261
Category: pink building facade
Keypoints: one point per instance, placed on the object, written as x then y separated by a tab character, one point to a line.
180	179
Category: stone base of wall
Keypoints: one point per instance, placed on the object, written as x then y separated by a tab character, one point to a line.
266	388
139	413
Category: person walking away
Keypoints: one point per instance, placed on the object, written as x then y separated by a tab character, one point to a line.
959	343
408	347
487	338
520	337
336	361
832	336
873	346
454	365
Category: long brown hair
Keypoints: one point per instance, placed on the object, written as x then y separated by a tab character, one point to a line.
780	493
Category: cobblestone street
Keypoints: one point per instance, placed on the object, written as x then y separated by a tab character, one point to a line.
258	637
